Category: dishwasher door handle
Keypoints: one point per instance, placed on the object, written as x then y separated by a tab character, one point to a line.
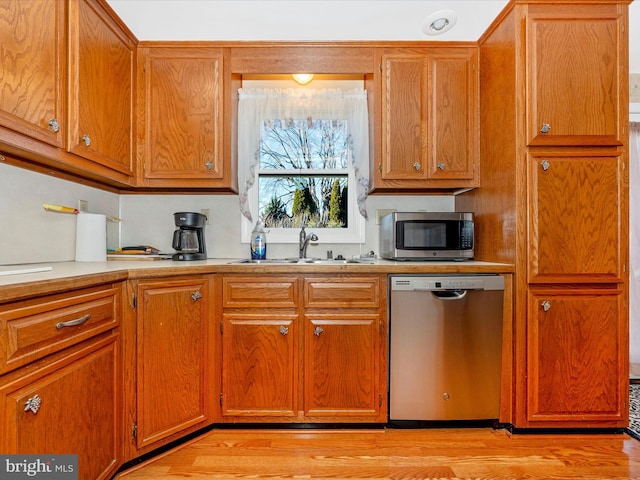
449	294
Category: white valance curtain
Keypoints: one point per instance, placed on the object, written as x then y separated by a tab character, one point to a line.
258	105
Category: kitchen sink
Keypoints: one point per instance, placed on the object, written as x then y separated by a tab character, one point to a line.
303	261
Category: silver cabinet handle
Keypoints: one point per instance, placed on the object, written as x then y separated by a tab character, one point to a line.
545	128
417	166
196	296
545	165
283	330
86	139
33	404
73	323
546	306
441	166
317	331
209	165
54	126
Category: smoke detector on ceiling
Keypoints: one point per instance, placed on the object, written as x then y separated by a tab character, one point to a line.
439	22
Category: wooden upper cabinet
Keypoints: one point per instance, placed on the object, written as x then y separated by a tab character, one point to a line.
576	219
429	114
101	88
32	77
182	97
575	77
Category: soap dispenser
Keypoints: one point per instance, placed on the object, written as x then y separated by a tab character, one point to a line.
258	242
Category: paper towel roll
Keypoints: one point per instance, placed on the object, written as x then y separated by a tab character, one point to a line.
91	237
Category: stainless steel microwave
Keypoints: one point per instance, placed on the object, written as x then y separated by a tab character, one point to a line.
427	236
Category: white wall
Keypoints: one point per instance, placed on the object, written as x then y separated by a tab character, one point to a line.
148	219
29	234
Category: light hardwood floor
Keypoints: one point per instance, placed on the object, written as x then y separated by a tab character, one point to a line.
396	454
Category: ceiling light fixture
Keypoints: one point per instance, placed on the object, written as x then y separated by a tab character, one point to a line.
439	22
303	78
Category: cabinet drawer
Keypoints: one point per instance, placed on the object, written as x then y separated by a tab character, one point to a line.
342	292
253	292
31	329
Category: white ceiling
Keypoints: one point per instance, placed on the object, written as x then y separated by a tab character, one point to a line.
317	20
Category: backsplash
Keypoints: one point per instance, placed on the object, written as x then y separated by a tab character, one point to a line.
32	235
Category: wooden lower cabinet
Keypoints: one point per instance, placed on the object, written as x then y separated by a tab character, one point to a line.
303	348
342	365
75	399
577	344
260	352
167	353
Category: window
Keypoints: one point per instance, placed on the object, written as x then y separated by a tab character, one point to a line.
300	153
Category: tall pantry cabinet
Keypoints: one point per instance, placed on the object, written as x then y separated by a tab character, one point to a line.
554	135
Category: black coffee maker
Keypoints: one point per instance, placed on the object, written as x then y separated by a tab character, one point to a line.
188	238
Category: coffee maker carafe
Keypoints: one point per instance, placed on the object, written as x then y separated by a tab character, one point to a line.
188	237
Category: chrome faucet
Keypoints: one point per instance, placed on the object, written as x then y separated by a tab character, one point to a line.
304	242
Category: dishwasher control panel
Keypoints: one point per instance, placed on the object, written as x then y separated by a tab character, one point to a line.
443	282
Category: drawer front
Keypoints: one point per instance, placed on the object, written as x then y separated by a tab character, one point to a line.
361	292
31	330
245	292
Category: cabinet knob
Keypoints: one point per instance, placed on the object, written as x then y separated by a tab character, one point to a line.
545	128
417	166
86	139
209	165
545	165
284	330
441	166
317	331
196	296
73	323
54	126
33	404
546	306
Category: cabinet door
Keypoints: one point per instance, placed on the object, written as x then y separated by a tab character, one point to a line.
259	364
101	88
341	365
70	406
452	100
574	58
404	112
183	110
172	358
577	370
577	217
429	119
32	77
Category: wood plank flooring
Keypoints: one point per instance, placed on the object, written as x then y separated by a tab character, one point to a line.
466	453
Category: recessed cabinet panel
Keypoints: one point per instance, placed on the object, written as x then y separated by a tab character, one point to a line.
101	88
579	102
183	102
452	115
577	356
403	114
70	407
341	374
32	79
260	373
576	219
173	375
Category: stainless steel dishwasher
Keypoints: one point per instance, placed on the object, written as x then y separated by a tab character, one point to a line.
445	347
